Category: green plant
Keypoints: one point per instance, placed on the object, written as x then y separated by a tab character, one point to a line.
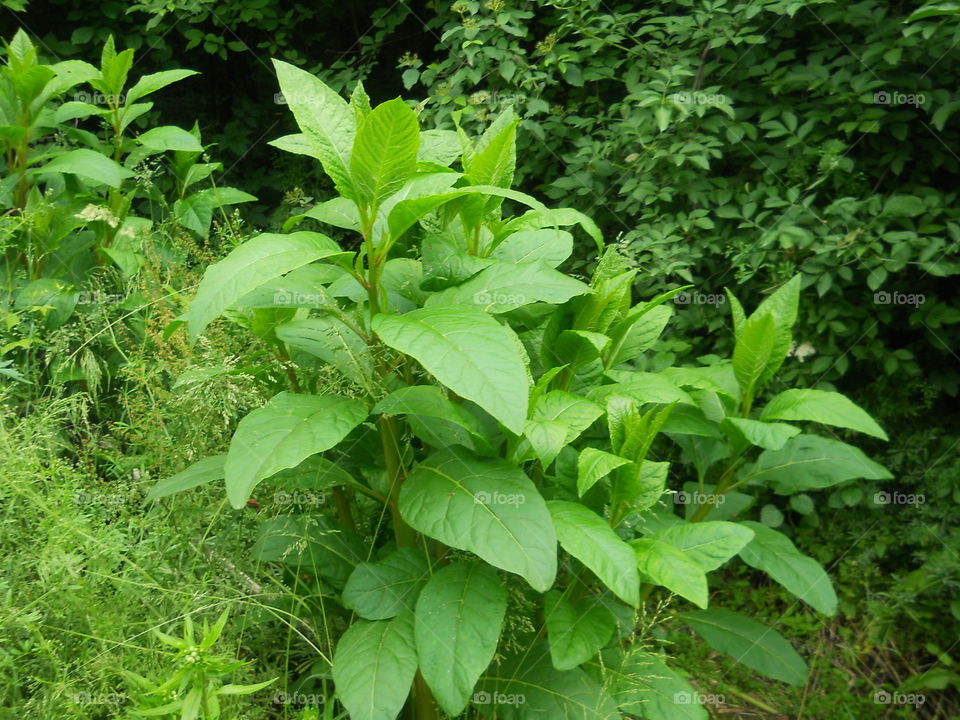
490	409
198	683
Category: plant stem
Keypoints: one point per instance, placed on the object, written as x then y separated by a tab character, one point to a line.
424	706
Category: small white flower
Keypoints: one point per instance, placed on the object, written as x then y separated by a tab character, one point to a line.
97	212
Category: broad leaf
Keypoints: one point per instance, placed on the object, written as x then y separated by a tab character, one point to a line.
204	471
384	152
325	118
749	642
773	553
469	352
810	462
310	542
710	543
458	621
591	540
88	164
829	408
487	507
526	246
663	564
256	262
429	401
768	435
593	465
384	589
752	352
576	632
329	339
156	81
283	433
374	666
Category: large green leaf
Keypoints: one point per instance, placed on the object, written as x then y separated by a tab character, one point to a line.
201	472
773	553
310	542
329	339
156	81
558	419
528	686
88	164
283	433
384	589
768	435
458	621
829	408
782	307
256	262
576	632
593	465
169	137
591	540
374	666
503	287
526	246
663	564
643	686
384	152
325	118
810	462
469	352
710	543
753	351
488	507
749	642
430	401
